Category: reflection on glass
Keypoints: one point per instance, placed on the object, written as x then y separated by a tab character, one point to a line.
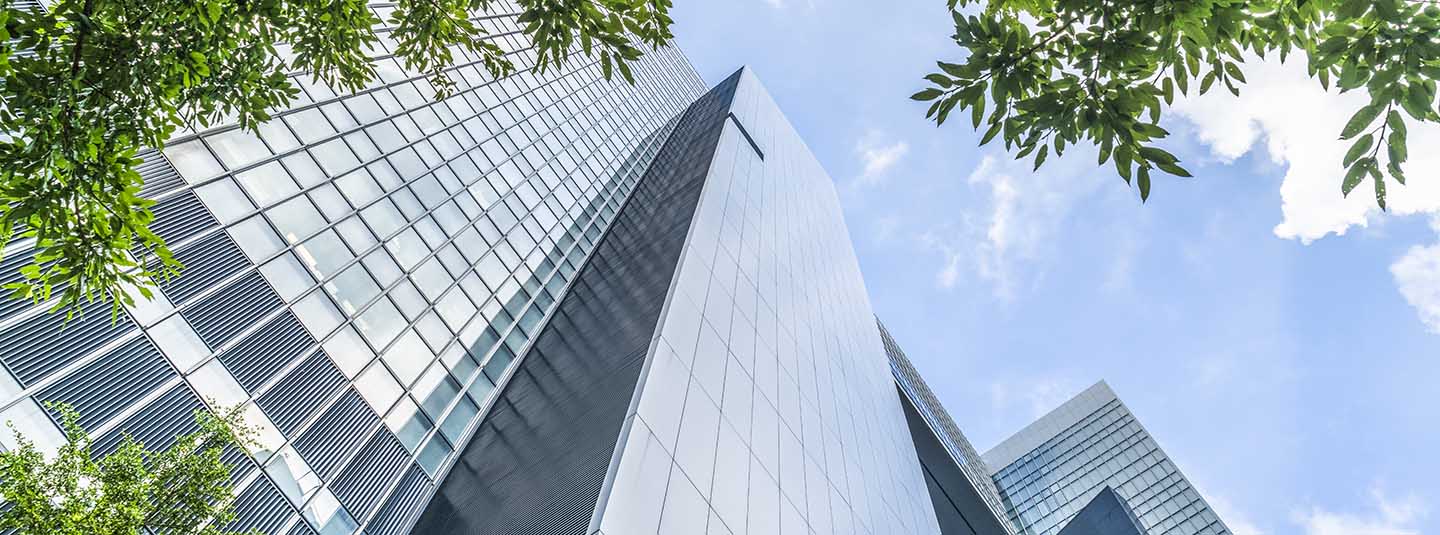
408	424
348	351
296	219
225	200
287	276
193	161
256	238
179	342
293	476
214	382
237	147
325	514
378	388
318	314
381	323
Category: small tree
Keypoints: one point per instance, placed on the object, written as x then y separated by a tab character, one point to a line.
184	490
1042	75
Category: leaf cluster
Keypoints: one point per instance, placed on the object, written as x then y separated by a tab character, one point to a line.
184	490
85	85
1043	75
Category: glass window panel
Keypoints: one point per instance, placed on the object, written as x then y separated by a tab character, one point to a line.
218	385
408	299
408	357
296	219
408	249
237	147
433	331
353	288
266	438
304	169
38	428
382	267
363	147
383	218
193	161
348	351
434	454
461	364
338	116
356	234
359	187
381	323
334	157
432	279
318	314
430	232
408	423
436	390
310	125
378	387
278	136
325	514
365	109
409	205
325	254
293	476
386	136
328	199
225	200
287	276
256	238
268	184
178	341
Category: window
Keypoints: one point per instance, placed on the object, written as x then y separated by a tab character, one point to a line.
381	323
256	239
408	424
318	314
310	125
348	351
287	276
278	136
334	157
408	357
217	384
303	168
296	219
383	218
408	299
268	184
359	187
325	254
237	147
382	267
179	343
378	387
356	235
193	161
39	429
330	202
293	476
408	249
225	200
353	288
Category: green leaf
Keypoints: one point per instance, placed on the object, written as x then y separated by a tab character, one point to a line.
1157	155
1362	118
927	94
1040	157
1354	176
1173	169
1234	71
1144	182
1358	149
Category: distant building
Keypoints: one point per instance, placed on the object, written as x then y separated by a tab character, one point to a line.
1051	470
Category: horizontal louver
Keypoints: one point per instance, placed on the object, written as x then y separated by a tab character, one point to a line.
301	528
10	273
403	504
105	387
158	424
180	216
206	262
220	316
362	484
301	393
37	346
262	354
337	434
260	507
158	174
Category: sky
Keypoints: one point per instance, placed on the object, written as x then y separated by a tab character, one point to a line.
1280	342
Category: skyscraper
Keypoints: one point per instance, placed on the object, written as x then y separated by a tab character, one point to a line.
965	499
543	304
1092	451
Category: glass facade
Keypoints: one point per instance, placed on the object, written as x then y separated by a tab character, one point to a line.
766	404
1050	470
358	275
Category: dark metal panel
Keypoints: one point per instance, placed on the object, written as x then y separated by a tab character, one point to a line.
301	393
159	176
180	216
538	461
1106	514
363	482
220	316
263	353
402	505
338	432
207	261
41	344
105	387
958	506
261	508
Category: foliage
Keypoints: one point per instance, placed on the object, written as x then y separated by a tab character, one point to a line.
86	84
183	490
1056	72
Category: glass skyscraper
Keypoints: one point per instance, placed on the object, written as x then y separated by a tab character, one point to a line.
546	304
1092	446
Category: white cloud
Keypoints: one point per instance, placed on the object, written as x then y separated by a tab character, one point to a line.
1417	275
1238	522
878	157
1300	123
1036	397
1006	239
1389	517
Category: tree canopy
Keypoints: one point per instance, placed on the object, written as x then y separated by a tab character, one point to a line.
1043	75
87	84
184	489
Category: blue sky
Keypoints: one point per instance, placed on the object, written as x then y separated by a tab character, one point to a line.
1278	340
